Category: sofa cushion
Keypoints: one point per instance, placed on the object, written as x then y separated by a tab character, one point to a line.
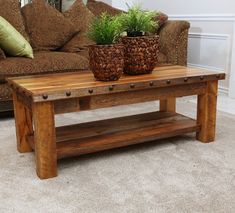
81	16
43	62
47	27
2	55
100	7
10	10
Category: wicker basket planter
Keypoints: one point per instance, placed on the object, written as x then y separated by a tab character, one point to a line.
107	61
141	54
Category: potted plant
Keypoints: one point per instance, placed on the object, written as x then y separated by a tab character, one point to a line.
141	45
106	57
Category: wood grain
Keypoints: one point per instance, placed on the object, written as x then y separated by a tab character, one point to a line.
206	113
168	105
45	140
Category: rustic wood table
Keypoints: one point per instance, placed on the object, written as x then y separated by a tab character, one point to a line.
38	98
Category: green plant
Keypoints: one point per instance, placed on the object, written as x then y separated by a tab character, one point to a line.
105	29
137	22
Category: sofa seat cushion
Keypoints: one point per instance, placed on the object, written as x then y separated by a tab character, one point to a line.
47	27
43	62
10	10
2	55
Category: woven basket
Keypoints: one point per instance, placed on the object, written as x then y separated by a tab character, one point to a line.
141	54
107	61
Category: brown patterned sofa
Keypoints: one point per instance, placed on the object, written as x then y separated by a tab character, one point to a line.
173	43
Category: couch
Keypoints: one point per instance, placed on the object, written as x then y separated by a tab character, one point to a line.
173	45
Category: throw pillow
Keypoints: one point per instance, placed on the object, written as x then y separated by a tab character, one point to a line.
10	10
80	15
12	42
47	27
2	55
100	7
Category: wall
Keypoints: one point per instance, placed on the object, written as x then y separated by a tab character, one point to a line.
212	33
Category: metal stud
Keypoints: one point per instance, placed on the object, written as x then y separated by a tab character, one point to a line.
68	93
218	76
168	81
111	88
132	86
45	96
186	79
90	91
151	83
201	77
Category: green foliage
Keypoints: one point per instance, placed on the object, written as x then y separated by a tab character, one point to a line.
137	22
105	29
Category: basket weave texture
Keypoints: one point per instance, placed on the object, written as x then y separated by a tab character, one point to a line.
107	61
141	54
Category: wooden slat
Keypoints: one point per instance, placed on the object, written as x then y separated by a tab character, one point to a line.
117	132
112	135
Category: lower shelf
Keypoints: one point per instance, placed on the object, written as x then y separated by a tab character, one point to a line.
117	132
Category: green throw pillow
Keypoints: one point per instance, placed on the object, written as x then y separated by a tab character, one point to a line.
12	42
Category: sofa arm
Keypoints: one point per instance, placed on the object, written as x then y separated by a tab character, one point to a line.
174	41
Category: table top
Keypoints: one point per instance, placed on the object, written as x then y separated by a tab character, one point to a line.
79	84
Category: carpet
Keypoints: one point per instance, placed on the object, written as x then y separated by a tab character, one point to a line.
176	175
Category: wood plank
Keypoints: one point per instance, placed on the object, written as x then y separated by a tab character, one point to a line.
45	140
79	84
206	113
23	124
122	136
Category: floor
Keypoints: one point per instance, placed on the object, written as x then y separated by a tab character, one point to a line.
176	175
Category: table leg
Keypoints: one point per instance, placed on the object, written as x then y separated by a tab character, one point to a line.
23	123
168	105
206	112
45	140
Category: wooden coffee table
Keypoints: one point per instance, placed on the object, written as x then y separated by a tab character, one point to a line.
38	98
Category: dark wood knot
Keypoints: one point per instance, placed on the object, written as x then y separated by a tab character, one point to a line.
201	77
168	81
90	91
111	88
185	79
132	86
151	84
68	94
45	96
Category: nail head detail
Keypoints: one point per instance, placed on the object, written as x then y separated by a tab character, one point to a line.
45	97
202	77
68	94
185	79
168	81
111	88
90	91
151	83
218	76
132	86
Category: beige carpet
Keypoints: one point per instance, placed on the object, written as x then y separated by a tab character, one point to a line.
178	175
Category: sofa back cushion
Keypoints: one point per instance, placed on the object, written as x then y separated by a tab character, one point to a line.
47	27
100	7
82	17
10	10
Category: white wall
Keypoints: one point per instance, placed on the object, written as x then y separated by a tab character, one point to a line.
211	36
